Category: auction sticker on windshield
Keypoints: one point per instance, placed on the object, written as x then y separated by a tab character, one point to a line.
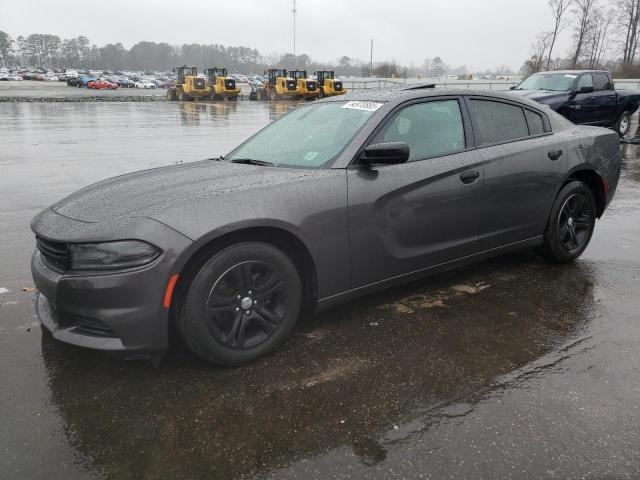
367	106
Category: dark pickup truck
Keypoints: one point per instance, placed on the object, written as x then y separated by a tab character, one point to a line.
586	97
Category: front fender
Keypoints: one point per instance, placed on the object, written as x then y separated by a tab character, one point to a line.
314	211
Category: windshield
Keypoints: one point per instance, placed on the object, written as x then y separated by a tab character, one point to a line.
308	137
557	82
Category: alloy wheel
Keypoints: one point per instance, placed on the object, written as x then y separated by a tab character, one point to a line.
624	124
246	305
575	222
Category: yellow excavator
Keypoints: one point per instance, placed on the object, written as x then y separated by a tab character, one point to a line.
221	85
328	84
189	86
305	88
278	85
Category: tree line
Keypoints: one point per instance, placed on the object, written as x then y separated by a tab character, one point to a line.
50	51
604	33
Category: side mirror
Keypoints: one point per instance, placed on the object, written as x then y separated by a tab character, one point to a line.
586	89
388	153
512	87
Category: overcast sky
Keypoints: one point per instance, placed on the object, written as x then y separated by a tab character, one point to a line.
478	33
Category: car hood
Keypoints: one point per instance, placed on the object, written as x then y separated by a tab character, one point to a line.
539	95
133	193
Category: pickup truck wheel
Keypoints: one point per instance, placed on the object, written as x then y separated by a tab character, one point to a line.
623	125
570	225
242	304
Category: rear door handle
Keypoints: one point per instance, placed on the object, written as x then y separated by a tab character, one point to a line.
469	177
555	154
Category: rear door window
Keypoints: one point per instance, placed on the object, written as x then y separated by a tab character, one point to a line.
497	122
601	81
430	129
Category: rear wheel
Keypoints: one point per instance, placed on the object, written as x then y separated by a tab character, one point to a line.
570	224
241	304
623	125
273	94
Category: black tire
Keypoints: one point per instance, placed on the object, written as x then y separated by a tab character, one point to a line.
273	95
623	125
570	225
171	94
216	320
321	96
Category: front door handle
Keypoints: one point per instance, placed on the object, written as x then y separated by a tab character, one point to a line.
555	154
469	177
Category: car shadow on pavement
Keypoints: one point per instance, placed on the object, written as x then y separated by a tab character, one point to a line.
345	379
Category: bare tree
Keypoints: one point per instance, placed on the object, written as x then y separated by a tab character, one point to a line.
596	41
558	8
628	13
538	53
584	15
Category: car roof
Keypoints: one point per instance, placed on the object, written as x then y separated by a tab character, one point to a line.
396	96
576	72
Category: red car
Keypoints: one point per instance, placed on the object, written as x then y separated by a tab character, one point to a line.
102	85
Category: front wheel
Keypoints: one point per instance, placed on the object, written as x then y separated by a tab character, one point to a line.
571	223
623	125
242	304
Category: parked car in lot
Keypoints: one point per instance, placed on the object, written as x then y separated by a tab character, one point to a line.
585	97
144	84
102	84
83	80
372	190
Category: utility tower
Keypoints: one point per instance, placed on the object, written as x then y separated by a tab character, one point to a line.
294	11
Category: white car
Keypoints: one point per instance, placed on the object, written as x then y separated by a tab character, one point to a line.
50	77
71	73
144	84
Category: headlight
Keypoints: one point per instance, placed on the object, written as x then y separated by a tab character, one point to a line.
112	255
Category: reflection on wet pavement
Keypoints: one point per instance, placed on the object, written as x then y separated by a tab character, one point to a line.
512	368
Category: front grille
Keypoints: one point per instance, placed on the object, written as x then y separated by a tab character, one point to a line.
198	83
230	84
337	86
92	327
55	255
291	84
311	86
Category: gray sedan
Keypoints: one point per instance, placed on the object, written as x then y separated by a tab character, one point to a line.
334	200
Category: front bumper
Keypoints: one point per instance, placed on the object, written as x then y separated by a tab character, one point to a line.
119	312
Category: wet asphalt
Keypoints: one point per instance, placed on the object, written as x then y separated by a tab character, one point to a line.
512	368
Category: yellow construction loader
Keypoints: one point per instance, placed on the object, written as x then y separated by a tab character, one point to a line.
189	86
221	85
328	84
305	88
277	86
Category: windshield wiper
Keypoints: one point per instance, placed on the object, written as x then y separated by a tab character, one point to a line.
252	161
